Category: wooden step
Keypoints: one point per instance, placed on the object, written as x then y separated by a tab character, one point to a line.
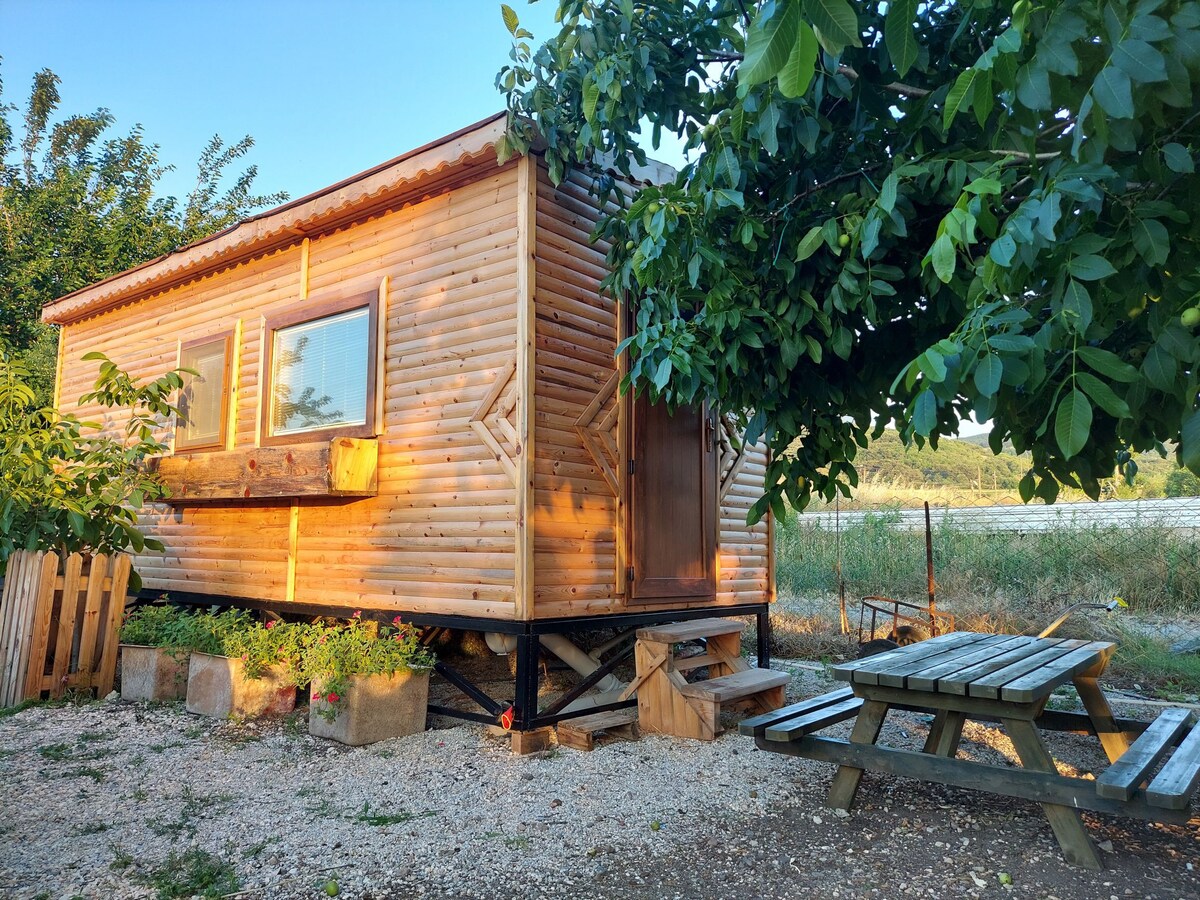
1120	781
580	733
1179	777
737	686
690	631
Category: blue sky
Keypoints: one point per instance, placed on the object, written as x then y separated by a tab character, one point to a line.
326	89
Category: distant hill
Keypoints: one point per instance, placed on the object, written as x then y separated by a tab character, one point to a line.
968	464
963	464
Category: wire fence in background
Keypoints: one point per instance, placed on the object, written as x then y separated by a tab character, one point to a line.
1000	565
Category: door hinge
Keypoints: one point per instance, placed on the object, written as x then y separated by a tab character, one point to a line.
629	573
632	466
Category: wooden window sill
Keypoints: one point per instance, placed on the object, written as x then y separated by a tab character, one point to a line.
341	467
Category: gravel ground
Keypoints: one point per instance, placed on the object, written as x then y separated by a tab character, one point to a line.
96	798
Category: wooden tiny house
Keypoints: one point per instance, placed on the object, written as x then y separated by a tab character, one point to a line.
407	402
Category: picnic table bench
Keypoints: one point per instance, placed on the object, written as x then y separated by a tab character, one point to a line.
1006	679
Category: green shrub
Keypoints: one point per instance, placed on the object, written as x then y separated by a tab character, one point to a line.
335	653
168	627
275	645
64	484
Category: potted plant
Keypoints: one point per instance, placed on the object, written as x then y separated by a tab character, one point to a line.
155	650
242	667
369	682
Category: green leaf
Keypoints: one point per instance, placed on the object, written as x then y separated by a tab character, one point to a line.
836	24
1090	267
797	72
511	22
943	258
900	36
1033	86
663	374
1151	241
1140	61
1078	301
1178	158
591	98
987	375
924	413
932	365
1073	423
1189	441
887	193
1107	363
809	243
957	99
1160	367
1114	93
769	43
1104	396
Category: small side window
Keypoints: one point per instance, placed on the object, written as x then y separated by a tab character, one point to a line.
204	400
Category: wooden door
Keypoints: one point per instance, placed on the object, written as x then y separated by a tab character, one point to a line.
672	504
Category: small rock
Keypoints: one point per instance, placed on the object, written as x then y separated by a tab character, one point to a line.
1106	846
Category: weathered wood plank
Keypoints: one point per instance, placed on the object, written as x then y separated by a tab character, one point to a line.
757	725
795	728
893	674
866	732
1040	668
926	679
690	631
736	685
959	682
342	467
845	671
1120	781
1041	682
1024	784
1178	779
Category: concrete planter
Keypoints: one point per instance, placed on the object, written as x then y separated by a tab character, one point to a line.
373	708
152	673
217	686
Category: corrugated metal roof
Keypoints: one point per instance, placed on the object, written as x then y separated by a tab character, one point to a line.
282	225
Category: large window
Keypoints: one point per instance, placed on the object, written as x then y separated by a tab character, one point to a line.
321	365
203	402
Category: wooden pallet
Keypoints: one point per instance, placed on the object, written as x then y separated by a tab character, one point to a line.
581	733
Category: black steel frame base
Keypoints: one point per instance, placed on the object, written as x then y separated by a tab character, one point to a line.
525	713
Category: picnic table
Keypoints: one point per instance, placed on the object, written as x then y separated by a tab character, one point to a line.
997	678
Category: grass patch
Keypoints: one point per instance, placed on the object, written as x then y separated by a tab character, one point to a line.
92	828
1174	676
194	873
379	819
97	775
195	807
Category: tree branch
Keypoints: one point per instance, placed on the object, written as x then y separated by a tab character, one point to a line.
820	186
897	87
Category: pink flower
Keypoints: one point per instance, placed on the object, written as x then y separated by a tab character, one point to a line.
333	698
316	696
245	657
396	621
271	624
357	614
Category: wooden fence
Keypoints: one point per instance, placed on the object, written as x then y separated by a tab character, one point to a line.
59	623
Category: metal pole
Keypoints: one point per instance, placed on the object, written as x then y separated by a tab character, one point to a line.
929	572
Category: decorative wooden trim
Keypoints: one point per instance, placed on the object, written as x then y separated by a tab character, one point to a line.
479	424
235	377
226	339
526	372
293	545
733	456
597	436
299	316
381	355
304	246
58	366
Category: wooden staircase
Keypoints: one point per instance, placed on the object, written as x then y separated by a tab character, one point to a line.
669	704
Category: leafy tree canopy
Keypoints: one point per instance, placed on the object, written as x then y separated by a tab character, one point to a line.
78	205
902	212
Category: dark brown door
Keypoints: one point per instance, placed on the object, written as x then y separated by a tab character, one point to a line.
673	504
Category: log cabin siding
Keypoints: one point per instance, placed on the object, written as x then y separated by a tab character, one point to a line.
440	534
579	527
